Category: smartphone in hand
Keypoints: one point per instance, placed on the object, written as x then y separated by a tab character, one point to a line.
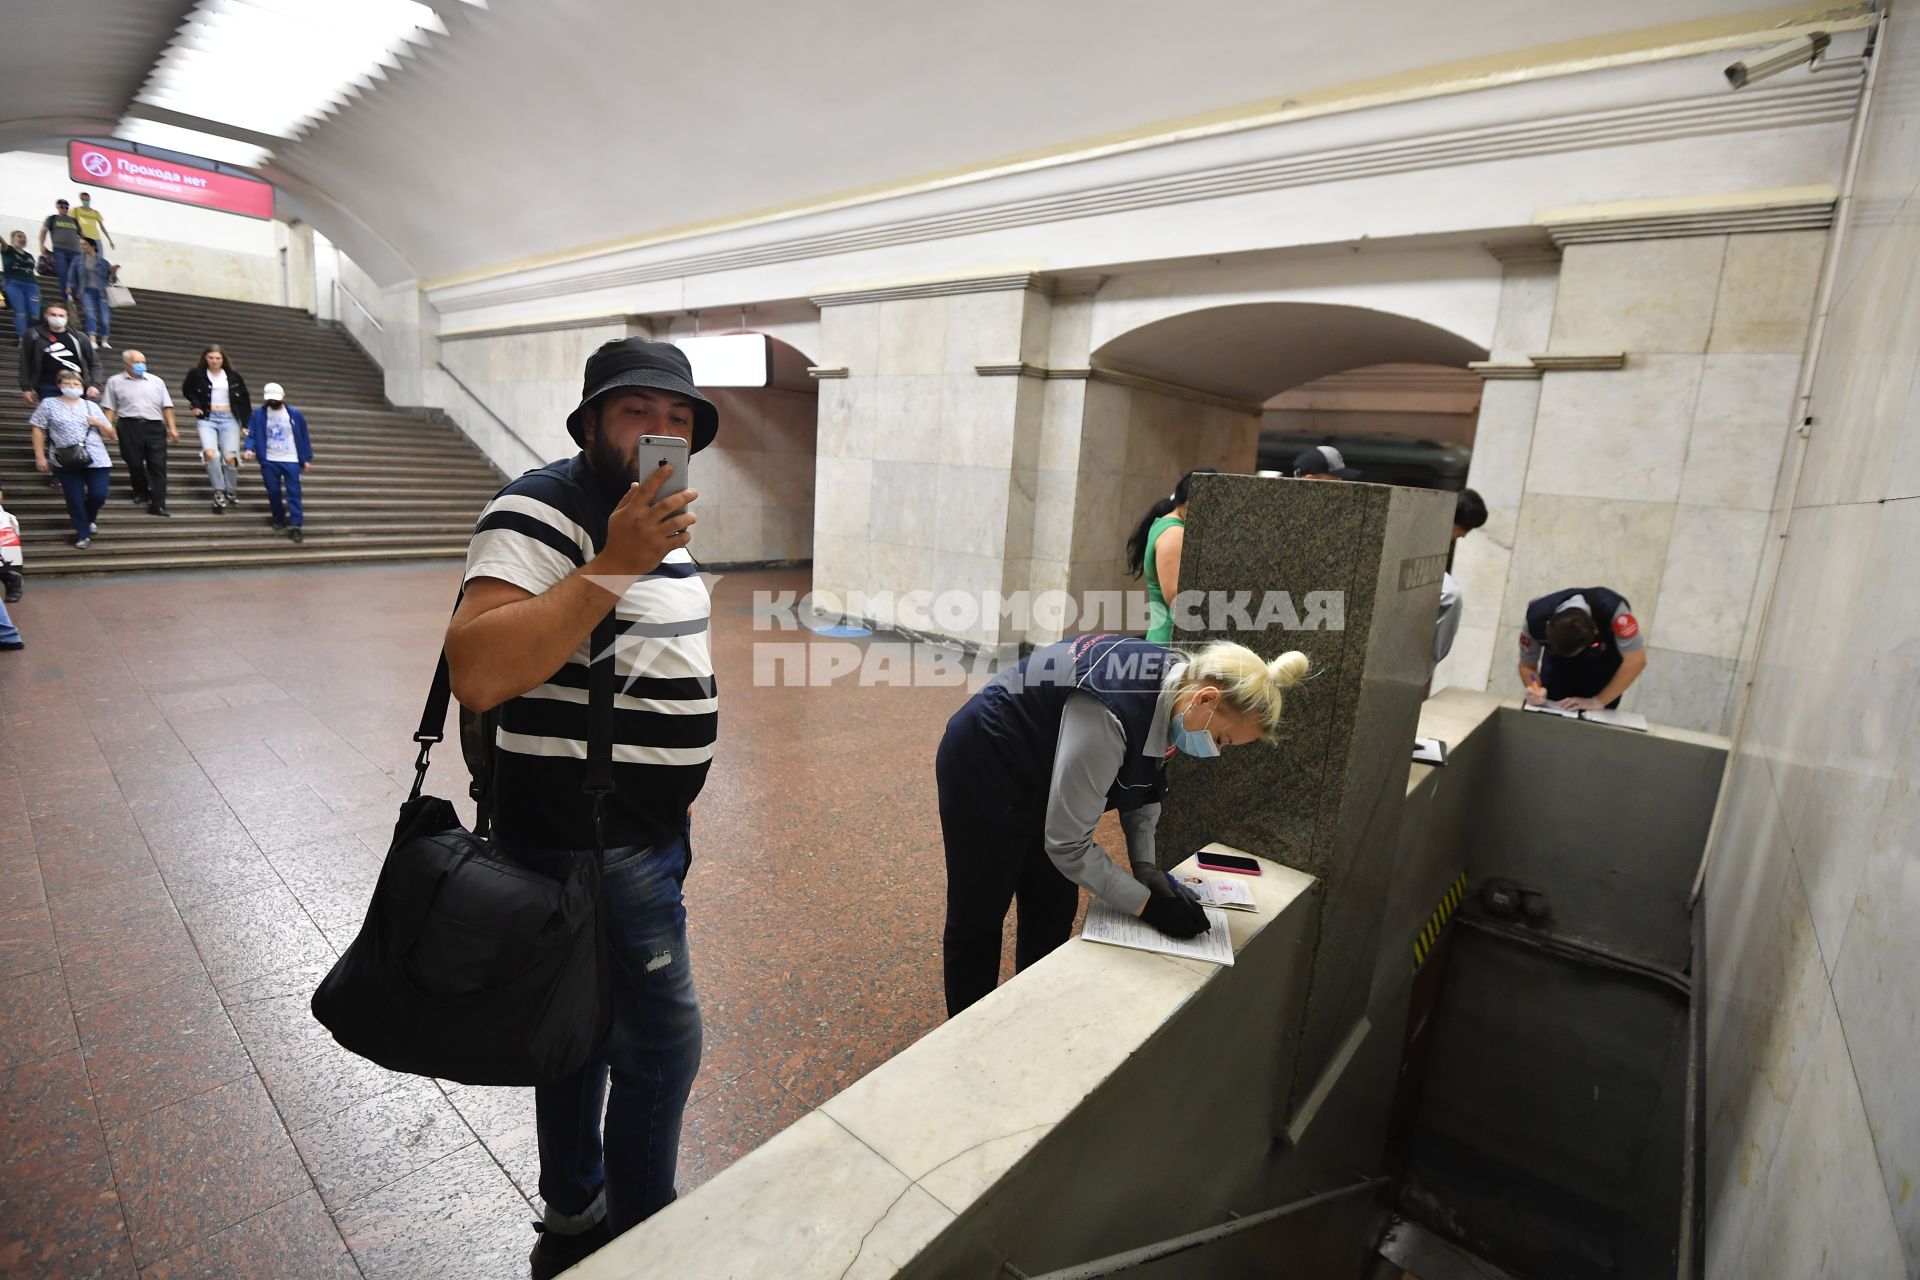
654	452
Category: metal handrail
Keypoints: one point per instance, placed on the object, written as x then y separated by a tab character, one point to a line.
488	410
1132	1258
339	289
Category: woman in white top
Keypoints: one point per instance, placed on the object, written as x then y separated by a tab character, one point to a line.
218	395
66	444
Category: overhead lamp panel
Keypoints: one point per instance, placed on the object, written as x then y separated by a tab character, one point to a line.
192	142
276	66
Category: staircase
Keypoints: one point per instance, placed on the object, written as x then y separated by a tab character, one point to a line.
385	485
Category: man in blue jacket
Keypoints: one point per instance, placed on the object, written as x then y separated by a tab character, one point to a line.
277	435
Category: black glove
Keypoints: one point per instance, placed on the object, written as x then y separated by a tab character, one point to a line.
1176	916
1162	884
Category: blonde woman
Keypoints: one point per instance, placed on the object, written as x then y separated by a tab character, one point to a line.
1029	764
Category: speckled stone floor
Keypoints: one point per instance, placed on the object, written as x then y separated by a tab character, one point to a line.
198	775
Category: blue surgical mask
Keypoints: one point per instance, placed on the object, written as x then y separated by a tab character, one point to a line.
139	368
1195	742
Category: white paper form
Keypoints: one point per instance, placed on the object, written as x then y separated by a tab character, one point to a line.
1104	924
1227	892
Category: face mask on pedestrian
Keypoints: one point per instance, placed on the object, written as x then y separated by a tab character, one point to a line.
139	368
70	391
1195	742
57	323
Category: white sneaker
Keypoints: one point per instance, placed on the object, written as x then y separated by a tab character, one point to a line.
105	345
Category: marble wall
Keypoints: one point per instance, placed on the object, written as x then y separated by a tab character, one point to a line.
756	481
1654	479
1812	892
1135	444
927	467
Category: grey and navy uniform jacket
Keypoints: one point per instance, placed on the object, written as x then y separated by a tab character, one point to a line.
1078	728
1584	674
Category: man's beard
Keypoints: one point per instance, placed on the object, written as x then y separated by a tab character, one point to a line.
612	471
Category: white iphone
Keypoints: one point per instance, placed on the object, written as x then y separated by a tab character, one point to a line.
663	451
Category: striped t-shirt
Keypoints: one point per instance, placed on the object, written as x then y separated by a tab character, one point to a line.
535	532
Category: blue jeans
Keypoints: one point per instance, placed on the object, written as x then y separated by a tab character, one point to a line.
24	297
66	269
9	634
99	316
86	493
651	1056
275	475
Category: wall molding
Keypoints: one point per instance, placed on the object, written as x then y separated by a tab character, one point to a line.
1579	363
1121	378
817	372
1814	101
1506	371
540	326
1806	210
1018	280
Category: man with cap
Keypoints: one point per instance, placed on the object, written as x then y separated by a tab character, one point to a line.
1322	462
277	435
1580	649
67	244
553	553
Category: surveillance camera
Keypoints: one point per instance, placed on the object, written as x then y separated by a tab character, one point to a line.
1741	74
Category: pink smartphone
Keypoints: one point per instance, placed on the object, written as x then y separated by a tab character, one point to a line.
1228	862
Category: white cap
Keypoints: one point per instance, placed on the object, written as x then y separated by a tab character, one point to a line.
273	391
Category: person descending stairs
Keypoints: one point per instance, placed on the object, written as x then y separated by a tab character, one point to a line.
384	485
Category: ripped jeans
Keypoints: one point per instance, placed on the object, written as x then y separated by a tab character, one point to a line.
644	1072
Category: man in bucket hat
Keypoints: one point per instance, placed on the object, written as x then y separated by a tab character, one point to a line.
554	552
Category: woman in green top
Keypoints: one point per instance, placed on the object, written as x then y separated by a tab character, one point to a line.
1154	551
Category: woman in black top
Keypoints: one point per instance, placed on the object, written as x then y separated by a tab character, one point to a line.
218	395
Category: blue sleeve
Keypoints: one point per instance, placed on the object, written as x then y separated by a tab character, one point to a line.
253	430
300	439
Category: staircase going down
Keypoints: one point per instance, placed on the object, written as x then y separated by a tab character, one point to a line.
384	485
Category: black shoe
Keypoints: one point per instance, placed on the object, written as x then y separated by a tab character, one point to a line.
157	510
21	644
278	524
14	598
554	1253
219	507
296	535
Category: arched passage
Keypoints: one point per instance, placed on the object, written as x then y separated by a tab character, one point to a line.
1194	389
757	481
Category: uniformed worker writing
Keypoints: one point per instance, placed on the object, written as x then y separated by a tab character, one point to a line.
1581	649
1032	760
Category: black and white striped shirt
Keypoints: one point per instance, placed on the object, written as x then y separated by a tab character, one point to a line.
535	532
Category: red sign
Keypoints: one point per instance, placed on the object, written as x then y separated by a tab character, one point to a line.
93	165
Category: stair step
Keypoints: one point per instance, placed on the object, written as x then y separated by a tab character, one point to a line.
282	553
386	484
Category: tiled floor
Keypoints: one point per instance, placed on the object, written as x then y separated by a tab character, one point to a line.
198	776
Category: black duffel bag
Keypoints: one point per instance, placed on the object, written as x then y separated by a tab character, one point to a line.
469	966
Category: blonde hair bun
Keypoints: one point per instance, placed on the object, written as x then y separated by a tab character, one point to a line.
1289	669
1247	681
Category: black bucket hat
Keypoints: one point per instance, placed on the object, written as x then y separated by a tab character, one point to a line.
642	362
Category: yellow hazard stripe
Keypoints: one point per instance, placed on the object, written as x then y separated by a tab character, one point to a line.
1430	932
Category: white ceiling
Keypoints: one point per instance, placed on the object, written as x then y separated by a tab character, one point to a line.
537	126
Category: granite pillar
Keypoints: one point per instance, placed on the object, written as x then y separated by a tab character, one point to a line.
1360	566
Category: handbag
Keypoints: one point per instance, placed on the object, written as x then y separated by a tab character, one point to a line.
73	457
118	296
469	966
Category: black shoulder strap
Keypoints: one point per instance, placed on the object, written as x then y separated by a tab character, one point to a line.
600	682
